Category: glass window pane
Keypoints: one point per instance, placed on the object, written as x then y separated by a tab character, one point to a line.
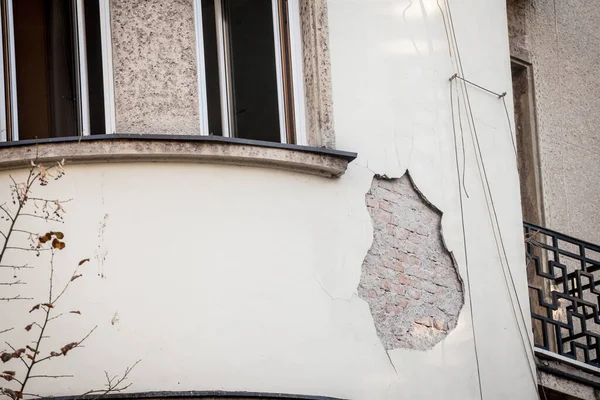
93	43
211	65
46	68
254	76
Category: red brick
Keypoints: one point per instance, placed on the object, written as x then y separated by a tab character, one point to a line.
440	325
398	266
382	272
402	233
403	303
386	206
398	289
372	202
391	309
401	256
403	279
383	216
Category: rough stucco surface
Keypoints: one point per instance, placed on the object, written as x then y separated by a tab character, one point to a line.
561	40
408	276
317	73
568	389
154	55
135	150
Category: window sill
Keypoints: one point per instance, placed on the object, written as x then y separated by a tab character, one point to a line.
170	148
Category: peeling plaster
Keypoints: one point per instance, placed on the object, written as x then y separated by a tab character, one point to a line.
409	278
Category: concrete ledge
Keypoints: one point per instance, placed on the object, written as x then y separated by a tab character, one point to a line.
169	148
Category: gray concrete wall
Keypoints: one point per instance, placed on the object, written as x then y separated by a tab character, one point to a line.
562	41
154	59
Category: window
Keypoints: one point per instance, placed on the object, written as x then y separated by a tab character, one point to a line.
527	142
250	61
53	69
57	69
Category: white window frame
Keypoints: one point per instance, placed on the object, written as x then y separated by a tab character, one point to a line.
225	87
107	68
81	59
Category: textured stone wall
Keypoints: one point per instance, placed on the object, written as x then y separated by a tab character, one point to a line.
562	42
154	56
317	73
408	276
155	74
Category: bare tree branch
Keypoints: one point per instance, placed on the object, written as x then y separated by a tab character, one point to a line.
45	218
75	345
51	376
8	214
16	266
15	350
24	231
17	297
114	384
47	210
12	283
34	249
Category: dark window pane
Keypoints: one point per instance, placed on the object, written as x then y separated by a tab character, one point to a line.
211	65
94	65
46	68
254	77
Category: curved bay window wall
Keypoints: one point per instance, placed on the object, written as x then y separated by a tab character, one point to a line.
57	69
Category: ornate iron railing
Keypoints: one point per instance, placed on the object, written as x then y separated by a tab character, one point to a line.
564	291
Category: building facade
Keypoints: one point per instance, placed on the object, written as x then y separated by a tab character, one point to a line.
554	60
303	199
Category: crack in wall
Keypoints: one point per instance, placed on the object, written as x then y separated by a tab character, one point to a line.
409	278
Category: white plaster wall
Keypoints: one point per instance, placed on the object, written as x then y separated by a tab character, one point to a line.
391	94
245	279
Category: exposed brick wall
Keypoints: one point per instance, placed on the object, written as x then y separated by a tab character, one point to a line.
408	276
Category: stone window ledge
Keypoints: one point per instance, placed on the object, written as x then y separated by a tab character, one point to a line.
171	148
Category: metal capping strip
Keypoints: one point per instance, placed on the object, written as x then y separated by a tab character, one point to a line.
201	395
345	155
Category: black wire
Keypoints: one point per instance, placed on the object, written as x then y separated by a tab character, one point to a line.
512	135
481	168
464	233
464	148
500	96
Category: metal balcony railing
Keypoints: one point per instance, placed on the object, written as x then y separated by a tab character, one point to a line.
564	291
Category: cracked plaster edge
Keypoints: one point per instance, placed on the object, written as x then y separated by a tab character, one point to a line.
450	252
463	282
394	355
437	210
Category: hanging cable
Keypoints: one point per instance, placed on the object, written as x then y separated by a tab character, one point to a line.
501	96
464	234
512	135
483	175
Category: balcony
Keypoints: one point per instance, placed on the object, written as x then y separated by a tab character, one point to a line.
564	291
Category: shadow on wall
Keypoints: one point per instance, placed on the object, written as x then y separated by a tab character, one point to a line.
409	278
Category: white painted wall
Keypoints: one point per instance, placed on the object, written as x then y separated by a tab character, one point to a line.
239	278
